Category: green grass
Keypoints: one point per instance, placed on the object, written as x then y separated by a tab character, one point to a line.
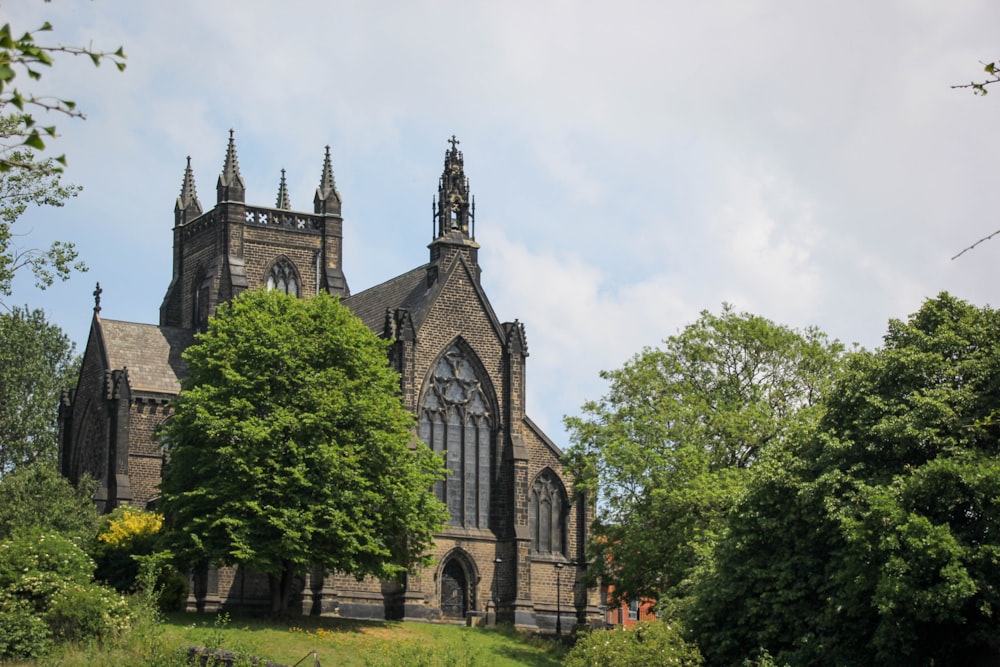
335	641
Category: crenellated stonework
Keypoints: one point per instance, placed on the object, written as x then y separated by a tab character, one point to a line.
516	533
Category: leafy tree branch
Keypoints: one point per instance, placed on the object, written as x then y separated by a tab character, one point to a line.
979	87
38	185
23	56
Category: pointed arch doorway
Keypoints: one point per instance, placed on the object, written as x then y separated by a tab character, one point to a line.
454	590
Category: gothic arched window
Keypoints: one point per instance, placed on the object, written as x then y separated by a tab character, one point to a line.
455	420
547	514
199	301
282	278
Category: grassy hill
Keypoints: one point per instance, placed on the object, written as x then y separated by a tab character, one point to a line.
335	641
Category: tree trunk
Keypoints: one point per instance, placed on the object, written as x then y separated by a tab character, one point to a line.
280	587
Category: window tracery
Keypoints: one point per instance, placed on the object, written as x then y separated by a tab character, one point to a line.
455	420
282	278
547	514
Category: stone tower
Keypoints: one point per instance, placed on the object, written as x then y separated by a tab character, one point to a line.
235	247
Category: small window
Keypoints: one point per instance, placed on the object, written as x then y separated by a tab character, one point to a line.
199	302
547	514
282	278
633	610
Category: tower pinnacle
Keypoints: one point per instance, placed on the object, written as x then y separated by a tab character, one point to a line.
188	206
231	186
327	199
283	201
454	210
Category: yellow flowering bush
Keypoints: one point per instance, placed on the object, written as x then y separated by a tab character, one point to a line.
130	536
125	533
126	524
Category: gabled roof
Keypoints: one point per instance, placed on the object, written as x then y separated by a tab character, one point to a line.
544	438
408	290
151	353
411	291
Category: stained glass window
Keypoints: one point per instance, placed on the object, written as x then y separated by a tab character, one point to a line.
455	420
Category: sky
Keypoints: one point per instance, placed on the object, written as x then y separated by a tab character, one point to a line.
634	162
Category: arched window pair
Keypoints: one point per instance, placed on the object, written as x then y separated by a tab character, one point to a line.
547	508
455	419
282	278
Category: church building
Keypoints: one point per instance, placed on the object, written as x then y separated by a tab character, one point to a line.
514	541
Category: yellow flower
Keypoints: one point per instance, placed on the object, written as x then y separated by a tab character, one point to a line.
130	523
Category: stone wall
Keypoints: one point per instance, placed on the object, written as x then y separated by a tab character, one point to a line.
145	459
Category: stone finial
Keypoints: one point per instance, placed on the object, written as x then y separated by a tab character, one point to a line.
327	199
283	202
517	340
188	202
97	299
231	186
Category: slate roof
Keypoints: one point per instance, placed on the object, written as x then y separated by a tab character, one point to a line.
404	291
151	353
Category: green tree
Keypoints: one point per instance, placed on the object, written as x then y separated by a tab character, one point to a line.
669	445
36	362
289	448
875	541
22	55
36	496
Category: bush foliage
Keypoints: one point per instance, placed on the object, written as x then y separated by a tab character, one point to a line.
47	593
647	644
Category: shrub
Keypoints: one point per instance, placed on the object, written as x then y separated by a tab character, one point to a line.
47	593
82	611
35	553
125	526
23	633
647	644
172	587
125	533
158	584
38	497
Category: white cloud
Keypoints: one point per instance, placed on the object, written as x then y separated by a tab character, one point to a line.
579	320
634	162
767	239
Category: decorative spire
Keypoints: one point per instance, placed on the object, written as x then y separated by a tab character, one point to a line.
283	201
97	299
327	199
188	206
231	186
452	211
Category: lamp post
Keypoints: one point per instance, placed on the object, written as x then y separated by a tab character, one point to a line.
559	569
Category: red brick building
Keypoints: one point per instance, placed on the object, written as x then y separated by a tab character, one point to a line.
625	614
462	373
